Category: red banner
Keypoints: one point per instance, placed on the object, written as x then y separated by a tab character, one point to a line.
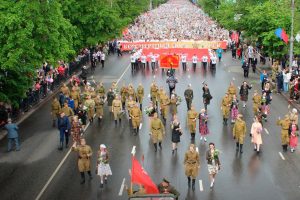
169	61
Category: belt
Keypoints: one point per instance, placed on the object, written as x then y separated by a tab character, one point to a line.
285	129
156	129
191	162
117	106
136	116
193	118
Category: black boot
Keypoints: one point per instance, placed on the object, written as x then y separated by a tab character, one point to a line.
223	121
116	122
237	146
226	120
120	121
90	175
155	147
141	107
189	182
193	138
193	184
82	178
67	142
241	148
134	131
285	148
160	145
60	146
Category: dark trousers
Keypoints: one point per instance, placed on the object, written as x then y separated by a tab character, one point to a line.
171	90
194	66
62	135
11	141
132	66
184	66
153	65
246	72
204	64
102	63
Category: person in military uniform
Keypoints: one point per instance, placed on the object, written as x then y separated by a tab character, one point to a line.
231	90
116	109
110	97
189	95
239	133
157	131
285	124
55	110
173	104
99	104
140	95
191	165
154	92
225	107
136	118
65	90
256	102
90	104
124	95
84	158
67	110
75	96
192	117
131	92
129	104
164	102
165	188
101	89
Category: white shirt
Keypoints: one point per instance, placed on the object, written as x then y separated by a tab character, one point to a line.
132	58
250	51
183	58
286	77
143	59
103	56
153	58
195	59
213	60
204	59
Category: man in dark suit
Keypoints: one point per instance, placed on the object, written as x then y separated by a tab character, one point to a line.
12	135
64	127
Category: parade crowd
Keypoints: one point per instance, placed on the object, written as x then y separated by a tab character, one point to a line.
175	20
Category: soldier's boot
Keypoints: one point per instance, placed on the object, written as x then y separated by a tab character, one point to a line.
67	142
155	147
116	122
285	148
90	175
193	184
193	138
189	182
223	121
134	131
141	107
241	148
120	120
237	146
226	120
160	145
60	146
82	178
54	123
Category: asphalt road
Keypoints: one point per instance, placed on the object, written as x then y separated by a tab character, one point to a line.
248	176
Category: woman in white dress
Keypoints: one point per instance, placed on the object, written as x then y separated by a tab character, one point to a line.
256	131
103	168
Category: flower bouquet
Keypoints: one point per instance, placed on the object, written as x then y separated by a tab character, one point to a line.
149	110
179	100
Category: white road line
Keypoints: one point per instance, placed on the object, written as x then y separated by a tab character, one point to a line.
282	157
122	188
133	150
201	185
267	132
68	153
123	74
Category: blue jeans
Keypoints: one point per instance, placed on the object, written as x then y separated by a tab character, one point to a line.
285	86
10	141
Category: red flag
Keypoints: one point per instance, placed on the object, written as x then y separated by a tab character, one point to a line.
284	36
169	61
140	176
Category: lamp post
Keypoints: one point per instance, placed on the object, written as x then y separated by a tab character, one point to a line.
292	33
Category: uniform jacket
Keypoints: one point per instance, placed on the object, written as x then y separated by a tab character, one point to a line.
63	123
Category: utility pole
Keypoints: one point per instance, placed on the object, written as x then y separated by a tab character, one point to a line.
292	33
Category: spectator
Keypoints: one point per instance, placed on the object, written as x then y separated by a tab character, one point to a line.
12	135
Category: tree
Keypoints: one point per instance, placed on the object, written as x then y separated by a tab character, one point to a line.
31	31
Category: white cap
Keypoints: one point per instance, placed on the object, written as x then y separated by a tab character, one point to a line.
294	110
103	146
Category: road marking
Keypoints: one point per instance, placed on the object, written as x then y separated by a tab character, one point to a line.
267	132
122	188
133	151
282	157
201	185
68	153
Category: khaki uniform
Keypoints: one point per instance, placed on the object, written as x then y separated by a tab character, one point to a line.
130	105
157	130
99	104
159	94
67	110
239	131
140	94
154	93
256	103
84	154
173	106
164	102
285	124
77	88
101	91
136	117
192	116
117	107
191	164
189	95
124	94
226	102
131	92
90	104
76	97
232	91
274	71
65	90
55	109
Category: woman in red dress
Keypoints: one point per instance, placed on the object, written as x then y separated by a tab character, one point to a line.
293	132
203	128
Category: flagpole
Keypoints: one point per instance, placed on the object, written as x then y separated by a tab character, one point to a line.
292	33
133	151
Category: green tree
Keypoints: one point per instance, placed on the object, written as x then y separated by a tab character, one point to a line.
31	32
